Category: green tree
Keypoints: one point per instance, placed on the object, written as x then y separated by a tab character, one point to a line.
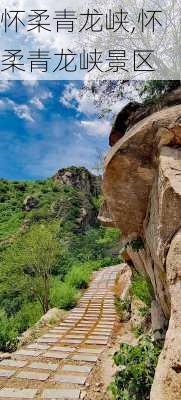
28	265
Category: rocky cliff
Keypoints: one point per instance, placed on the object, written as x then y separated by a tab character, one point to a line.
79	178
142	190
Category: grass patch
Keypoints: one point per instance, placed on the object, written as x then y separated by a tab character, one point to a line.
78	277
123	308
142	289
62	295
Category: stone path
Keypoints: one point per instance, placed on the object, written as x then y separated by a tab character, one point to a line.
58	364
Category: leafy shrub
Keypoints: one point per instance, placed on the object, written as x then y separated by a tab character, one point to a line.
138	330
28	315
134	379
63	295
142	289
152	90
8	333
78	277
123	308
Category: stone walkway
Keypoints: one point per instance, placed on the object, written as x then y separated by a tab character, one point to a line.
58	364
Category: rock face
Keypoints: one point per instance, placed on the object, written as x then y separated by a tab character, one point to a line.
79	178
88	186
134	112
29	203
142	190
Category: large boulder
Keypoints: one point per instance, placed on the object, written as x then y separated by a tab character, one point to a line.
167	382
142	190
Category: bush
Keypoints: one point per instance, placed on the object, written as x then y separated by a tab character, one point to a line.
133	381
123	308
78	277
142	289
63	295
29	314
8	333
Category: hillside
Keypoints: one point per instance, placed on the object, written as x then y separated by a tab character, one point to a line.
50	242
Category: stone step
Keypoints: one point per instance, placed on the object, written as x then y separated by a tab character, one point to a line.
71	379
33	376
63	348
6	373
85	357
41	365
61	394
13	363
28	353
55	354
20	394
77	368
79	341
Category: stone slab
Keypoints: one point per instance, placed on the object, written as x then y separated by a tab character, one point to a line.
85	357
89	350
48	340
37	376
80	332
63	348
75	337
20	394
37	346
85	322
46	366
71	379
72	341
98	337
61	394
95	341
5	373
101	334
77	368
28	353
52	336
13	363
56	354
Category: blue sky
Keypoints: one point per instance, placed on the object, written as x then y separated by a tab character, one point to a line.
47	125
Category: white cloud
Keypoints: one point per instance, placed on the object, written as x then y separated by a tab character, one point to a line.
38	101
4	86
21	110
82	101
96	127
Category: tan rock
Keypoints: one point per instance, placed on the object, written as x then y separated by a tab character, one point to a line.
167	383
130	169
137	319
158	321
142	190
52	317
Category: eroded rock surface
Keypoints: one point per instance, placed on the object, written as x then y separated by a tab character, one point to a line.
142	190
79	178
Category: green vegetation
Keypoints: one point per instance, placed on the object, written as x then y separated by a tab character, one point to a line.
136	244
154	89
47	251
137	367
63	295
78	277
123	308
142	289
